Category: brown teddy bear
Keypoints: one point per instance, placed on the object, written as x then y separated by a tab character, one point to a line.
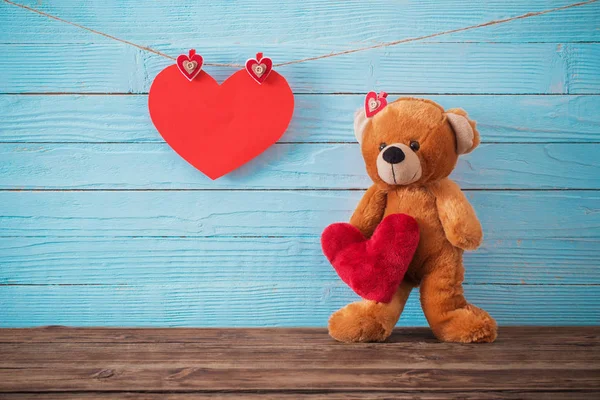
410	147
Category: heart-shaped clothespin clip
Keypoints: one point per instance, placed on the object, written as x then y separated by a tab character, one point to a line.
259	68
190	65
374	103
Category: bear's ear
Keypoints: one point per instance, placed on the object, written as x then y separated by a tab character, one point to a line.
467	137
360	123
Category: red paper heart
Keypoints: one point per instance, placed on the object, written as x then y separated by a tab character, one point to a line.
217	128
184	63
373	267
374	103
259	68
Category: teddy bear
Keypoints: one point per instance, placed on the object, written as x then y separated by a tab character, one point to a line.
410	147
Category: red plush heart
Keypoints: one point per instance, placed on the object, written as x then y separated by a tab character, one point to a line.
373	267
217	128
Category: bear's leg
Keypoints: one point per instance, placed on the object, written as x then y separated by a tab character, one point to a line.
451	318
368	321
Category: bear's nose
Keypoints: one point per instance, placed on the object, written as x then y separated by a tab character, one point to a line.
393	155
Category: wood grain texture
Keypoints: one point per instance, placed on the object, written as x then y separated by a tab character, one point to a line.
325	118
256	22
479	68
297	394
505	215
66	378
122	261
581	336
284	166
228	351
249	304
296	362
102	224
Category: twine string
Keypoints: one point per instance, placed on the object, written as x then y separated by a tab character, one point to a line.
322	56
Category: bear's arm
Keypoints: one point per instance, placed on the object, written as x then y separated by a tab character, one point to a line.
458	218
370	210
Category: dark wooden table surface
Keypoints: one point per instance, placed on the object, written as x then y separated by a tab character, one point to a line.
99	363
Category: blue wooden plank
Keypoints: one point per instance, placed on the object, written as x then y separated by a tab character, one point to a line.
588	62
235	257
326	118
479	68
254	21
505	215
146	261
205	304
284	166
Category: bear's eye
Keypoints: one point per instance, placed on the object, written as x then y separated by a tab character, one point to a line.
382	146
415	146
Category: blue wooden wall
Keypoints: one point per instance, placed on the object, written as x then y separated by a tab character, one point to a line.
103	224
